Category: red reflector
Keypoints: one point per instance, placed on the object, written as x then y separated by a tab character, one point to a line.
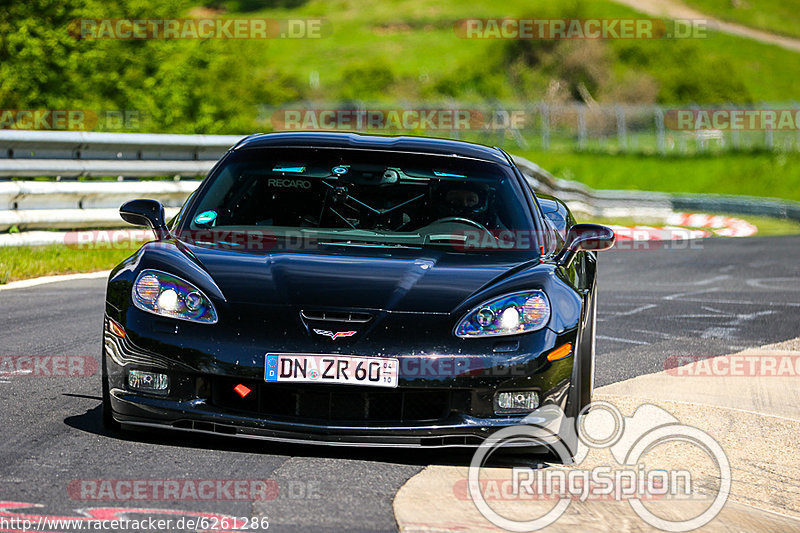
241	390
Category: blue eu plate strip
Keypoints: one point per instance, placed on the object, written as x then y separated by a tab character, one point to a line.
271	368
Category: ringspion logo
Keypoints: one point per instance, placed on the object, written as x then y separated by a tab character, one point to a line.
635	476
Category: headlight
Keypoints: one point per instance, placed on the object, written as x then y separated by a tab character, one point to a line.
167	295
512	314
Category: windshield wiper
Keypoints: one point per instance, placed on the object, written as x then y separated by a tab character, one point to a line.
369	244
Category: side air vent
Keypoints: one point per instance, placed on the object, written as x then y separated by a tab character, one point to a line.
336	316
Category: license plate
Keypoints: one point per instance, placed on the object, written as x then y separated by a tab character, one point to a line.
342	369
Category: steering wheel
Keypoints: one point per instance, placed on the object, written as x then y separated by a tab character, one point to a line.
463	220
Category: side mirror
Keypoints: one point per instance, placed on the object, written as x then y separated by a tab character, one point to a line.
146	213
585	237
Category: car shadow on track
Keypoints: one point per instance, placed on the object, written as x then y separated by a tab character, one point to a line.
91	422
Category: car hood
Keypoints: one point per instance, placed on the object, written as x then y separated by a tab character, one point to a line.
407	280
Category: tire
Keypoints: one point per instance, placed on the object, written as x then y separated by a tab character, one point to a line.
588	360
107	413
582	386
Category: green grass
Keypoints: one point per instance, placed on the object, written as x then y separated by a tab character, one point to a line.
777	16
22	262
757	174
390	52
773	226
416	42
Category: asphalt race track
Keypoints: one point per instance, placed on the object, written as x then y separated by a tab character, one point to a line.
702	298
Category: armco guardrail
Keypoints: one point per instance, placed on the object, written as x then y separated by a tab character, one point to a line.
649	204
89	147
77	204
68	168
80	204
585	201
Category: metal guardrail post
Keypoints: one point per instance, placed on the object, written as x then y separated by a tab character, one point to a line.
661	142
545	119
582	134
622	129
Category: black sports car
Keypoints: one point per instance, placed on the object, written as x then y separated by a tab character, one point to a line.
353	290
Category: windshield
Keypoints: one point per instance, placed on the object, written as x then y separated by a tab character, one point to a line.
357	198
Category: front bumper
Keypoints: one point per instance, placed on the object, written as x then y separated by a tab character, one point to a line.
427	410
135	411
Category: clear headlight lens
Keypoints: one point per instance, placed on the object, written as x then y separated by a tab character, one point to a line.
147	288
512	314
167	295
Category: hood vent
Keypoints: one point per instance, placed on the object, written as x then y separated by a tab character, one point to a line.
336	316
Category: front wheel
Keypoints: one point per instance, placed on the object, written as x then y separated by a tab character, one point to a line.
587	368
107	414
582	386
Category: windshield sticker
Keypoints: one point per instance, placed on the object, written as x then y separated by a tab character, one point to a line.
289	168
206	217
289	184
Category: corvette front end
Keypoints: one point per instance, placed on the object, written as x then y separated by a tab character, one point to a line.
383	331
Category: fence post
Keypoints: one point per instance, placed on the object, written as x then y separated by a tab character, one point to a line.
768	138
699	145
360	115
581	126
660	136
499	119
796	110
545	109
454	133
622	130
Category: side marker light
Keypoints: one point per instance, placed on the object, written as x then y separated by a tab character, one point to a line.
560	353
